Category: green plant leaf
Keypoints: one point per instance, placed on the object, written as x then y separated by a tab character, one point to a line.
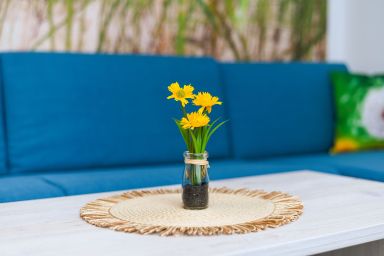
184	134
204	136
194	142
215	129
213	123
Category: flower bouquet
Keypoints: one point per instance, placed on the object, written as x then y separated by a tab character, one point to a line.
196	129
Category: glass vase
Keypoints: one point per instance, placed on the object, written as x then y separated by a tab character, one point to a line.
195	181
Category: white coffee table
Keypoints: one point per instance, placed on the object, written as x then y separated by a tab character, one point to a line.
339	212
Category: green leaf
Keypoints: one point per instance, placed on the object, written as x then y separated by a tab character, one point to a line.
194	142
215	128
212	124
184	134
205	137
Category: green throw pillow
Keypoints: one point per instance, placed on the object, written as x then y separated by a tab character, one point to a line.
359	102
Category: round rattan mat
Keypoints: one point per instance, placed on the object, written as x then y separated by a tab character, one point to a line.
161	211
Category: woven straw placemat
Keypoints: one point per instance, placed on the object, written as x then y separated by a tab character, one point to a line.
161	211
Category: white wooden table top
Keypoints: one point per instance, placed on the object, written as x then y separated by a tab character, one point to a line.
338	212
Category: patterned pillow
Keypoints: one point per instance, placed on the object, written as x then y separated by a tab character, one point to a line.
359	102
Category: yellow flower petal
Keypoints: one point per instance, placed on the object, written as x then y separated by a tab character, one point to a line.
194	120
184	102
188	90
206	101
174	87
181	94
185	123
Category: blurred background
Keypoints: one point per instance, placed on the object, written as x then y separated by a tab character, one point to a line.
231	30
225	29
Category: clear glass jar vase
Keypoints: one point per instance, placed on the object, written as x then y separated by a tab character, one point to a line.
195	181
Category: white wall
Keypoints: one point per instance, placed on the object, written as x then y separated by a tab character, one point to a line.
356	34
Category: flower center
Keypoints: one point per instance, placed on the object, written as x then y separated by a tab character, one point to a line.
180	94
382	114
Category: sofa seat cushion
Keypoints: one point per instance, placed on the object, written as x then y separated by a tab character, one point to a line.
91	181
106	179
366	165
362	165
18	188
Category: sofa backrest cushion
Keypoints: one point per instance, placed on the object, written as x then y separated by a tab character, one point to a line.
69	111
3	153
279	109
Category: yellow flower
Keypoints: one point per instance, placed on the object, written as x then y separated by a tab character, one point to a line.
206	101
194	120
181	94
344	145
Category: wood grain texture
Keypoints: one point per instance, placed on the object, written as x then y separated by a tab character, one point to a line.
338	212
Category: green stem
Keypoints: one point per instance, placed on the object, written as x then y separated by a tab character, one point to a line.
190	144
184	111
70	13
105	25
198	174
52	30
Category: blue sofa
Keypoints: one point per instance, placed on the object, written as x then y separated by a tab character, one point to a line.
79	123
